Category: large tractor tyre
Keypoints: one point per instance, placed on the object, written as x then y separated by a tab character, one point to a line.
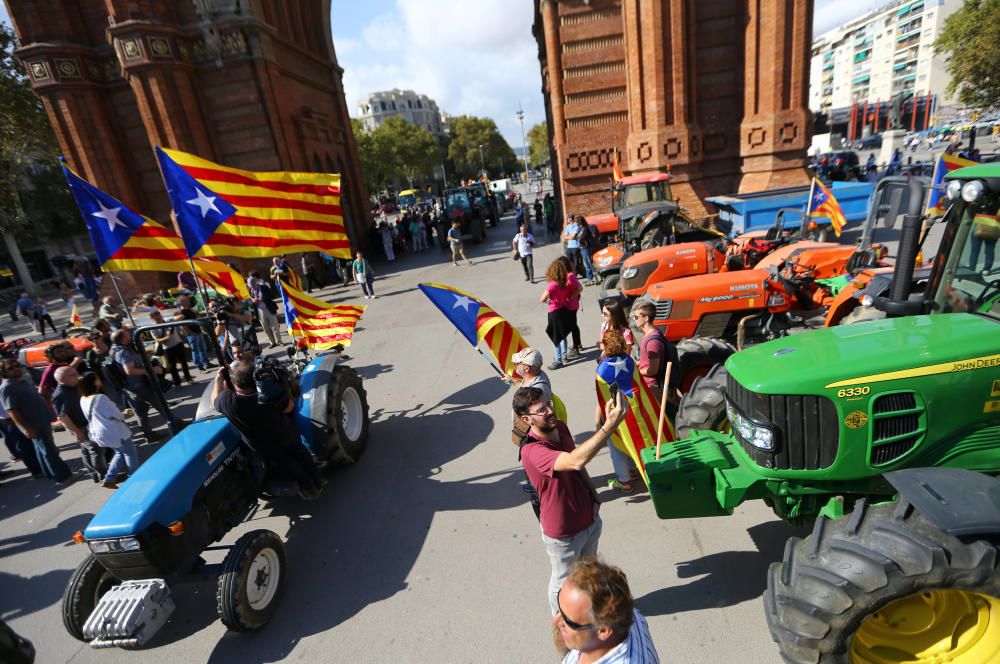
89	583
346	416
654	236
609	283
253	575
883	585
703	407
697	356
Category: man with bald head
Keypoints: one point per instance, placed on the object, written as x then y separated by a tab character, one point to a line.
66	403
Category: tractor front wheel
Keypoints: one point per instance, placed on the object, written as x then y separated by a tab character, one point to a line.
89	583
697	356
609	283
883	585
703	407
253	575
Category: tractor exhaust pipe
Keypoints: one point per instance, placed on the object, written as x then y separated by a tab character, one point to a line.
898	304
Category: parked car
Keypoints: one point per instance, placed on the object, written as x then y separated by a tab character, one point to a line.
842	165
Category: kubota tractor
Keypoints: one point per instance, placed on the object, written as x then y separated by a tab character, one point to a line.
865	430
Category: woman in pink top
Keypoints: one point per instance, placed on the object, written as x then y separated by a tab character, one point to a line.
613	318
574	306
557	295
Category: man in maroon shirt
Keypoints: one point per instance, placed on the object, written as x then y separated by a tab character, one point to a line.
571	525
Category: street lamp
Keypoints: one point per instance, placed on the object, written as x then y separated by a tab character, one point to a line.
524	147
482	162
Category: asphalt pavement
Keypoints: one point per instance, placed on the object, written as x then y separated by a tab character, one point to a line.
426	549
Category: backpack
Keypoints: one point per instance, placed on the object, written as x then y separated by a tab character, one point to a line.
669	355
114	373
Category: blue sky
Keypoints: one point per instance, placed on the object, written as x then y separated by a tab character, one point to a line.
476	58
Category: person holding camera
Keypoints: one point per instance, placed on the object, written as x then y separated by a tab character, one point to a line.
267	428
136	387
556	467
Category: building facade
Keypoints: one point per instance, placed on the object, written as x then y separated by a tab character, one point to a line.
416	109
882	54
716	92
252	85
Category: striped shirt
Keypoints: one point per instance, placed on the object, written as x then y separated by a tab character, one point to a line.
637	648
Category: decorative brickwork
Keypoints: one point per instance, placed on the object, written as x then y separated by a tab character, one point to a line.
254	85
713	91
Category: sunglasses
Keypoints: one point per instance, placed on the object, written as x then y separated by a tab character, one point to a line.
575	626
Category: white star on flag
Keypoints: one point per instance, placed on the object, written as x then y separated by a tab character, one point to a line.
204	203
109	215
620	364
463	302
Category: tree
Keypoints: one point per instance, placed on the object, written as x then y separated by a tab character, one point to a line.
971	40
538	145
416	152
468	133
26	144
378	166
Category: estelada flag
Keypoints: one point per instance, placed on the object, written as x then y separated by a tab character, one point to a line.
477	321
320	324
944	164
74	317
638	429
125	240
823	204
226	211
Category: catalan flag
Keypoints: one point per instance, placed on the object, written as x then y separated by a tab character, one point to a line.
74	317
222	278
616	169
477	322
944	164
823	204
226	211
638	429
319	324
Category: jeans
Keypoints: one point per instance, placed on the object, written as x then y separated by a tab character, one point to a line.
126	458
366	285
564	552
989	247
527	262
95	459
19	446
560	350
573	253
198	353
48	457
588	264
140	399
621	462
173	356
576	332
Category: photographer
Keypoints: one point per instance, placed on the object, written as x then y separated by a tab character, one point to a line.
137	389
267	428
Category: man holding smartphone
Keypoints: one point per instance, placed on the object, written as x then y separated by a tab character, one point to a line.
555	466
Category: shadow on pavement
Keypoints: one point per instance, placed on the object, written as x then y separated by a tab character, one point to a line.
725	578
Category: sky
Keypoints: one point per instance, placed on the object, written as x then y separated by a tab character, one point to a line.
472	58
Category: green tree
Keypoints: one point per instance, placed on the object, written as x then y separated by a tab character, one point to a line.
971	41
416	152
378	166
468	133
538	145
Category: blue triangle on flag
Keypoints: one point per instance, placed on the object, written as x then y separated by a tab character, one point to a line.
199	210
617	370
460	309
109	222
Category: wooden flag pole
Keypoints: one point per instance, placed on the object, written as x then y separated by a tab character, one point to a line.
663	409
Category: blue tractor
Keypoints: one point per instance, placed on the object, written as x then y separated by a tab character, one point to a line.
197	487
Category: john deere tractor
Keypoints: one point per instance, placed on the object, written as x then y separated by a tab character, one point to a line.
870	431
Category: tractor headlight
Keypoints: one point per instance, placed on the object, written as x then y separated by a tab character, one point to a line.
954	189
117	545
972	191
629	272
751	432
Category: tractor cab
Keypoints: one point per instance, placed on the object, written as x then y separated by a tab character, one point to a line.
461	207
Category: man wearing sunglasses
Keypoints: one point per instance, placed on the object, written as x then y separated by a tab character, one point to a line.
555	466
597	619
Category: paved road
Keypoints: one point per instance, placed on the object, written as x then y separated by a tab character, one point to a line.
426	550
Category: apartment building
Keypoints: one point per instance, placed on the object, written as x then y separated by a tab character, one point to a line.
416	109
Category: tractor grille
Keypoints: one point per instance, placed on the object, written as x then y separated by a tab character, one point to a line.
896	427
663	308
640	277
807	428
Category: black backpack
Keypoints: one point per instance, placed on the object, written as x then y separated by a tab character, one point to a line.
669	355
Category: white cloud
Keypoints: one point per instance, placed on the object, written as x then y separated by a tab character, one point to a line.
828	14
474	58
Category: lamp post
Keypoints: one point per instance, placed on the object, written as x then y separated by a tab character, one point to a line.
482	161
524	147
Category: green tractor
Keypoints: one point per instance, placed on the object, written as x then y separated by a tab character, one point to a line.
870	431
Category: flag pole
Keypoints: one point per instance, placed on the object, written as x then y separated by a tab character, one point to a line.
809	202
663	410
121	298
490	362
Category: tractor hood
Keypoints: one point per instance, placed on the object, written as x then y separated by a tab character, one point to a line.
738	285
606	222
872	352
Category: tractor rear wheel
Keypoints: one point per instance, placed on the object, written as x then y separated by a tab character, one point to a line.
697	355
884	585
89	583
609	283
346	416
703	407
253	575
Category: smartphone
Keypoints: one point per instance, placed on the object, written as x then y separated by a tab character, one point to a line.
614	390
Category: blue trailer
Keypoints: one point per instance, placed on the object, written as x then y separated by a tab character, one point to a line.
756	212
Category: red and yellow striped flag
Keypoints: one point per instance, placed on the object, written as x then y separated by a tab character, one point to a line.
276	213
478	322
638	429
74	317
319	324
222	278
